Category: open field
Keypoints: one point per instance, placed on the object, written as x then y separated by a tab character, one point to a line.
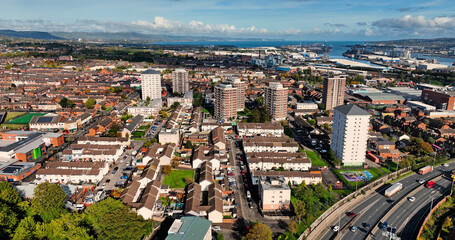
25	119
12	115
315	159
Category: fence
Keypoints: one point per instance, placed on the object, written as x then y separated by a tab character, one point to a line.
364	190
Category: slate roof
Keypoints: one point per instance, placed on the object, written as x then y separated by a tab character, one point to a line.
351	109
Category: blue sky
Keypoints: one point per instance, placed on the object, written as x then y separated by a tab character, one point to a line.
280	19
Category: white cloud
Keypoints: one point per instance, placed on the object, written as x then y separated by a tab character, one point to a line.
409	21
159	25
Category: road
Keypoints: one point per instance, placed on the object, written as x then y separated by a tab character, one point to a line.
407	216
371	210
250	215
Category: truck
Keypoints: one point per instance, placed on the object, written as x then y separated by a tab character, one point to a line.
393	189
425	170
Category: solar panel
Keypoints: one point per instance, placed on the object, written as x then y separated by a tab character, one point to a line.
44	120
11	169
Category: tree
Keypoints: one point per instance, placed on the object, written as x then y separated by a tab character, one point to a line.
90	103
163	113
154	140
219	236
26	230
293	227
431	140
66	103
69	226
259	100
426	147
167	169
189	144
175	163
299	209
147	144
48	201
256	115
8	221
188	180
175	105
110	219
447	225
147	100
259	231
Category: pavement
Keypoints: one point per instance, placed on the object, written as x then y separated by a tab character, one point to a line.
373	208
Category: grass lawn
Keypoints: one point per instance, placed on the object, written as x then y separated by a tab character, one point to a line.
401	177
12	115
343	193
176	179
144	127
315	159
205	110
25	119
137	133
385	170
14	126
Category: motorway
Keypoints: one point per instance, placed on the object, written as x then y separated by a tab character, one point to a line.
407	216
371	210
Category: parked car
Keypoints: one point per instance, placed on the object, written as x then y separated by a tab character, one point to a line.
124	177
216	228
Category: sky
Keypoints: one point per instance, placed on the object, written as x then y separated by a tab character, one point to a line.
321	20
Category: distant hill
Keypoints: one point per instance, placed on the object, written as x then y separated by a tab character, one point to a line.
29	34
435	42
134	36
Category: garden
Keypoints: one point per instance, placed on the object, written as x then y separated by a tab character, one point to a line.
178	178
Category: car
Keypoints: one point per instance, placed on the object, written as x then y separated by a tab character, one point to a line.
394	230
108	180
383	225
430	184
351	214
421	181
231	173
124	177
445	165
353	228
336	228
116	168
216	228
113	172
366	225
249	200
250	205
412	199
103	185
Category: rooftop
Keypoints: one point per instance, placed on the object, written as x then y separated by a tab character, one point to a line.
189	228
351	109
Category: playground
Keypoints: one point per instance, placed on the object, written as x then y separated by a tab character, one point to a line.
354	176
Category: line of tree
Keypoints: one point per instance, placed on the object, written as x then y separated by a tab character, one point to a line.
45	217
